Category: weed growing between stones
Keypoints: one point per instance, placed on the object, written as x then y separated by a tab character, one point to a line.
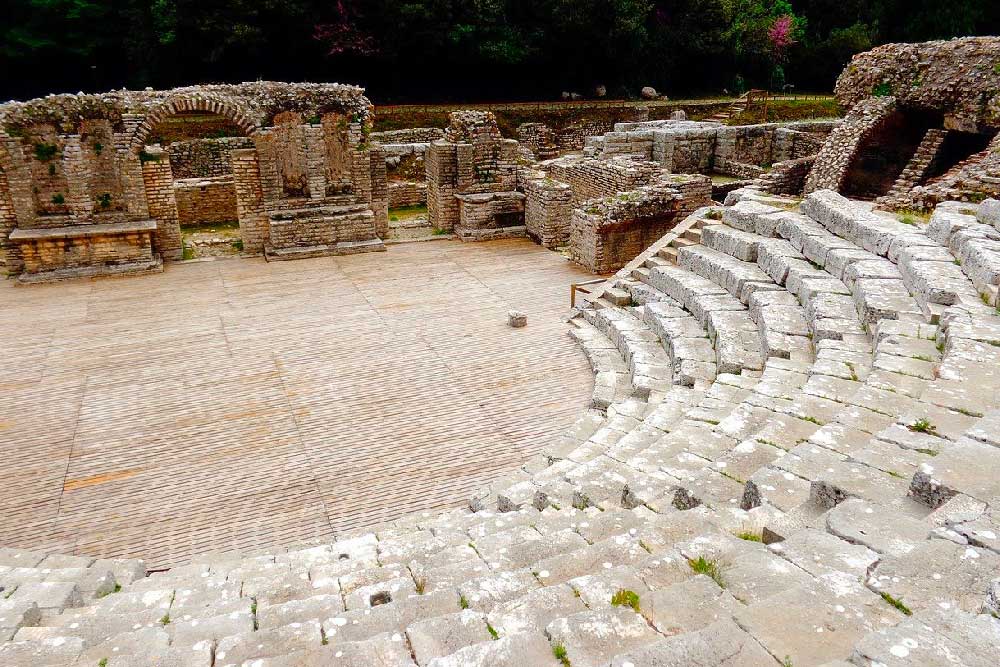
463	602
709	568
626	598
923	425
897	603
749	536
493	631
559	651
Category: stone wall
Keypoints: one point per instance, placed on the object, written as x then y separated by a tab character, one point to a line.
158	180
472	159
288	231
490	215
683	146
539	139
204	158
205	200
972	180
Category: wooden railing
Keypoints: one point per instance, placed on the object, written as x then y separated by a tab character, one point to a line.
582	288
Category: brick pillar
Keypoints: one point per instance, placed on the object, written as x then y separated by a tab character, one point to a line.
10	256
130	168
249	199
315	159
18	172
380	192
442	179
267	164
78	199
158	178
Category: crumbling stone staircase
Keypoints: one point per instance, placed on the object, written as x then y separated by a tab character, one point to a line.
790	457
917	169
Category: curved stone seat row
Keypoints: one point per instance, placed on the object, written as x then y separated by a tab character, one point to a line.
790	457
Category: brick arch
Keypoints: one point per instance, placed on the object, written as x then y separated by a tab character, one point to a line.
220	106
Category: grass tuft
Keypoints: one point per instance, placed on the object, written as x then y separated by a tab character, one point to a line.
897	603
709	568
559	651
923	425
463	602
750	536
625	598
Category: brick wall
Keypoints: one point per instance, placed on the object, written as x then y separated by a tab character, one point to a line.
442	180
407	193
86	252
247	186
205	200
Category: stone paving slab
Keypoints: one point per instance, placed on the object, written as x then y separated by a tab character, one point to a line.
240	404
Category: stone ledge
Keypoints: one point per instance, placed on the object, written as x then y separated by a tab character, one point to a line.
83	231
491	234
101	271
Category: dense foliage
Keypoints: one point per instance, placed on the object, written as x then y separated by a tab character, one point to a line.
462	49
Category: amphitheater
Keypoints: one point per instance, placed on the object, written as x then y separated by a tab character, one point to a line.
785	450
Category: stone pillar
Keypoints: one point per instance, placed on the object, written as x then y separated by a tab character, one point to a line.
250	199
442	182
380	192
158	178
315	160
78	199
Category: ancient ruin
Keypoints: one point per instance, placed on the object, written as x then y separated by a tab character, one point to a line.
921	127
787	453
85	193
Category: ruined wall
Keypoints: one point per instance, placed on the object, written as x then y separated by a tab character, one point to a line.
788	177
